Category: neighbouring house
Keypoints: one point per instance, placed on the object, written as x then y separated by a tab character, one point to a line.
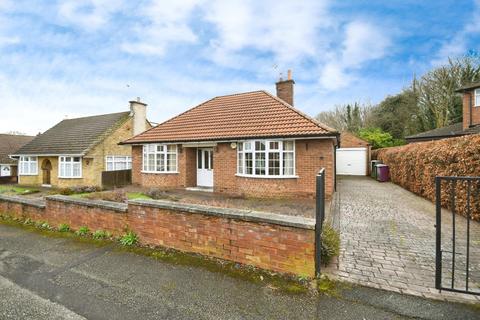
252	144
469	125
9	143
353	155
75	151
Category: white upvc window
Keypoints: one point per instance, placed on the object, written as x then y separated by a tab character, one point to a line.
160	158
477	97
69	167
28	166
114	163
266	158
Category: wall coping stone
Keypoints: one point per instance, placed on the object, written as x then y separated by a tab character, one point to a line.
34	202
109	205
231	213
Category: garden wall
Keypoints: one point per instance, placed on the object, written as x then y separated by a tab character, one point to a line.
269	241
415	166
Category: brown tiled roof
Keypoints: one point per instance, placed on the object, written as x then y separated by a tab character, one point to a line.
73	136
9	143
256	114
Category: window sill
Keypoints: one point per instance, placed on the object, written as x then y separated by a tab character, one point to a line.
158	172
70	177
28	174
265	177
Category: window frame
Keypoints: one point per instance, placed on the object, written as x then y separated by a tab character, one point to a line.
114	161
71	162
476	97
250	147
29	162
165	152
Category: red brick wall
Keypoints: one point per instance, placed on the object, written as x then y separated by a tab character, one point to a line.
23	211
311	156
77	215
190	166
466	110
265	245
157	180
349	140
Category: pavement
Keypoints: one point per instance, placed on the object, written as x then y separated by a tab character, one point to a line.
46	277
388	241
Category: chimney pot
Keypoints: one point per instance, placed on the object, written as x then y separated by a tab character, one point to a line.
289	77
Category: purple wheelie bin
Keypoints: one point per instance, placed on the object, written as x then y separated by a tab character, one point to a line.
383	174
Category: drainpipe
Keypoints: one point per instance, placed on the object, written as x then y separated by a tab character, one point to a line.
470	111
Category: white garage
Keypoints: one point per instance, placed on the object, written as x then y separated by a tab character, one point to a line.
352	161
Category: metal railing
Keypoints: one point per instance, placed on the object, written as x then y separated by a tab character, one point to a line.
319	218
462	196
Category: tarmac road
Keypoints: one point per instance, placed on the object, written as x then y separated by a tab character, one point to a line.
44	277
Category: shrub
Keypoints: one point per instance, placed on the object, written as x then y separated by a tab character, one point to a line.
129	239
115	196
65	191
158	194
330	243
379	138
63	227
415	166
83	231
101	234
79	189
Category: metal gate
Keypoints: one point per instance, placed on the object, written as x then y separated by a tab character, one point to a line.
457	234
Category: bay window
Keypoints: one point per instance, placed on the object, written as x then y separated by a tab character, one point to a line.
268	158
160	158
28	166
114	163
69	167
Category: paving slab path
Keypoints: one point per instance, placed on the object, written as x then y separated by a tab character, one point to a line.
388	241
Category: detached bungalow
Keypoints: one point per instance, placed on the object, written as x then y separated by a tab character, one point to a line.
253	144
75	151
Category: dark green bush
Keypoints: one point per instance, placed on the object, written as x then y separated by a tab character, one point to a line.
330	243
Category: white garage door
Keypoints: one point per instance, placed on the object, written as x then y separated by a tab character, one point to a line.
352	161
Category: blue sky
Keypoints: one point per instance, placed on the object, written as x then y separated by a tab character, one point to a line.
82	57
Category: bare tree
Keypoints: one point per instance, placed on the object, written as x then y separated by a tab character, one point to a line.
440	105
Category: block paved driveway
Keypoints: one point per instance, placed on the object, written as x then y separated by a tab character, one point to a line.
388	240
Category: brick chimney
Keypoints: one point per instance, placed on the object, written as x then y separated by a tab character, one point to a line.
138	110
285	88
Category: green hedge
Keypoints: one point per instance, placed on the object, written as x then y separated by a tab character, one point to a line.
414	167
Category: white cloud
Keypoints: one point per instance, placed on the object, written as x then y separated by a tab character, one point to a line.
167	22
457	45
363	42
90	15
7	41
288	29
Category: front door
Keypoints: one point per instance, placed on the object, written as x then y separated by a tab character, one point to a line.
205	167
46	169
